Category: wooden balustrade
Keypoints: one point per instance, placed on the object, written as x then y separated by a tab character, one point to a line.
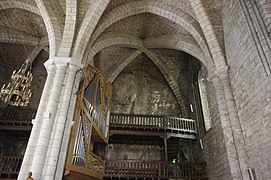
154	169
182	124
17	119
134	121
159	123
10	165
195	170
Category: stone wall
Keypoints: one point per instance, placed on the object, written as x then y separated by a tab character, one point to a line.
39	77
251	87
134	152
213	152
141	89
109	58
12	146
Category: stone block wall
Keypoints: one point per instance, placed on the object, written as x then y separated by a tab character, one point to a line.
214	150
251	86
39	77
134	152
141	89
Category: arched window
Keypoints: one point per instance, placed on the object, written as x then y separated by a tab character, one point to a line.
204	102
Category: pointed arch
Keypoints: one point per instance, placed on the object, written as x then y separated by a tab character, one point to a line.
178	42
157	42
170	80
138	7
7	4
120	40
90	21
131	41
12	36
53	23
160	9
208	31
116	71
69	28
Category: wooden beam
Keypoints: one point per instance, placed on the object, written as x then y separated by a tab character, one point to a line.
137	133
165	149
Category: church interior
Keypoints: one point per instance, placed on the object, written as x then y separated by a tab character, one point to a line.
135	89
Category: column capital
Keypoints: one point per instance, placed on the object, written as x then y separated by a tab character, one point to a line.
63	61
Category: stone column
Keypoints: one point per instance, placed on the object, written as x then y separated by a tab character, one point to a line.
48	121
52	118
28	156
54	149
68	127
232	131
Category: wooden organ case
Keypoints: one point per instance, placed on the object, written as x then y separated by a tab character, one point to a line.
91	126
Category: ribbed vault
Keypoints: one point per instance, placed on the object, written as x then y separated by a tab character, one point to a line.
84	30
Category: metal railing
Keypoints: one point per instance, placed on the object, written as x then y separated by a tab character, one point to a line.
154	169
152	122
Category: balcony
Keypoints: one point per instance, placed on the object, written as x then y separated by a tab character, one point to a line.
152	125
82	164
154	170
16	119
10	166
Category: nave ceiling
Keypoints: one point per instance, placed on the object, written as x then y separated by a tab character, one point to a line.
117	32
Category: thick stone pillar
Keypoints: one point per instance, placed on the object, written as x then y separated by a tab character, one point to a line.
52	118
28	156
68	127
232	130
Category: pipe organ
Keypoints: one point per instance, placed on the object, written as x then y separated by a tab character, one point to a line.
91	124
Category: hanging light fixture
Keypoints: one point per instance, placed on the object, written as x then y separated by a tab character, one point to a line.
17	92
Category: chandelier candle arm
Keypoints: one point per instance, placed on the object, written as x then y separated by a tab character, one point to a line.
18	92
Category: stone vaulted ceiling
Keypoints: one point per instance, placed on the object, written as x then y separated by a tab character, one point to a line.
24	17
146	25
111	34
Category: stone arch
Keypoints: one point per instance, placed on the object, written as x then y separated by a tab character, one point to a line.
177	42
7	4
35	52
136	43
170	80
162	10
13	36
159	64
69	29
208	31
127	41
116	71
131	9
52	25
88	25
